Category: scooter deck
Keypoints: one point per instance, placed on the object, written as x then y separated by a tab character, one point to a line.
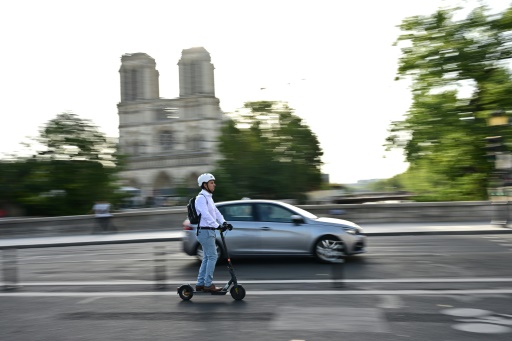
222	292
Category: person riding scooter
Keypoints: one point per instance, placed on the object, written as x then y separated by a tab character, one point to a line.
209	221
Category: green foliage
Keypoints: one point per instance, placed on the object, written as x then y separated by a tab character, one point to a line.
68	137
67	187
268	152
443	134
77	166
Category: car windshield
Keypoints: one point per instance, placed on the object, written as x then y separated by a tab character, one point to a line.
300	211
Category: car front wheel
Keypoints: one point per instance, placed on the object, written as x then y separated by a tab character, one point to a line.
329	249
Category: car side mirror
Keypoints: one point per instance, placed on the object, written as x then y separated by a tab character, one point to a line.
297	219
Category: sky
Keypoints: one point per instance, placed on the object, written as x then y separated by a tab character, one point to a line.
333	61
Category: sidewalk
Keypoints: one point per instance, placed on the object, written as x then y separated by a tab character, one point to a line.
92	239
370	230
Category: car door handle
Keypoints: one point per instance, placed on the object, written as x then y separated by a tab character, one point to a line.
265	228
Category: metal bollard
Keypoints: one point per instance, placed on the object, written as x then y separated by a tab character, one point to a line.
160	271
10	269
509	203
500	213
338	266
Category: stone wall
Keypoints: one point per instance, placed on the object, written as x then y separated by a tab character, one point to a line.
468	211
172	218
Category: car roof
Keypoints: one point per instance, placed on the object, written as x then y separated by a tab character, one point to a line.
249	201
298	210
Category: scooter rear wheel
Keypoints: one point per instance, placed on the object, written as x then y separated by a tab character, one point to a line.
186	292
238	292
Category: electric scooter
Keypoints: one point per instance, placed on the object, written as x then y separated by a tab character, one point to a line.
186	291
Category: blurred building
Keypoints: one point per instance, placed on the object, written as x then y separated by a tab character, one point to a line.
169	142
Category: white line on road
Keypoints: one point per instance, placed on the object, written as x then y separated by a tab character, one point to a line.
265	293
89	300
273	281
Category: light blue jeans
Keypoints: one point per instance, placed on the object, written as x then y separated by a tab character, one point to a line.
207	240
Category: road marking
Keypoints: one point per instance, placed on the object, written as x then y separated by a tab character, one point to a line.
390	302
336	319
273	281
265	293
481	328
479	320
88	300
402	254
465	312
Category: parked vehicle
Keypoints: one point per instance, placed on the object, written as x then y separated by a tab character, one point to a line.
274	228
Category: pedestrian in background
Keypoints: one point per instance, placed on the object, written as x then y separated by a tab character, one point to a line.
102	216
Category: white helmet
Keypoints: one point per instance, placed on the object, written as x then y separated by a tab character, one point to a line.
204	178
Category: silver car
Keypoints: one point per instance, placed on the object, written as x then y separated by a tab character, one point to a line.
274	228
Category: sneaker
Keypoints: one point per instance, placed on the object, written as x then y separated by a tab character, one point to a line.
199	287
211	288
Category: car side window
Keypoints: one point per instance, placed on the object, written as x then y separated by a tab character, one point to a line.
274	213
241	212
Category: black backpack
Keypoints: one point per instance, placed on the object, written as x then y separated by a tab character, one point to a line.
193	217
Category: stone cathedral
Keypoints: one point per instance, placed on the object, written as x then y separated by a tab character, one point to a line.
169	142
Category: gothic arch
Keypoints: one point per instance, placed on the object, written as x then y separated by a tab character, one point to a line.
162	185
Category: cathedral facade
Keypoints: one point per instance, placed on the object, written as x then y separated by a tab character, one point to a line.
168	142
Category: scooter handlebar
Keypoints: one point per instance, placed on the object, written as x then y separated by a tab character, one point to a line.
225	226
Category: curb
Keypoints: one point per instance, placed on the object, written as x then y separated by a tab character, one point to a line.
90	242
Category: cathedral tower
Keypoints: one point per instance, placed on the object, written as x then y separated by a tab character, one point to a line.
196	73
139	77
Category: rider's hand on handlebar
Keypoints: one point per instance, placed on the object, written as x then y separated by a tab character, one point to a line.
226	226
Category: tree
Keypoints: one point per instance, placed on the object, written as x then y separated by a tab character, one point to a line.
267	152
76	166
443	134
68	137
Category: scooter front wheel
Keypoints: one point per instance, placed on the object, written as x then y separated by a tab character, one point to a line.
237	292
186	292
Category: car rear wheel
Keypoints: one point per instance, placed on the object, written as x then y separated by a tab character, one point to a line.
329	249
200	252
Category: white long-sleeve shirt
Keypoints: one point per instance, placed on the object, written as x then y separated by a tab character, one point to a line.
210	215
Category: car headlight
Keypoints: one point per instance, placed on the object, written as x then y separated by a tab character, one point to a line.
350	230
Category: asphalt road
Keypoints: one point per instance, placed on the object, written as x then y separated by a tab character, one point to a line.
431	287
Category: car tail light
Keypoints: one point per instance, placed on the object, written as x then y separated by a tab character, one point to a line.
187	226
